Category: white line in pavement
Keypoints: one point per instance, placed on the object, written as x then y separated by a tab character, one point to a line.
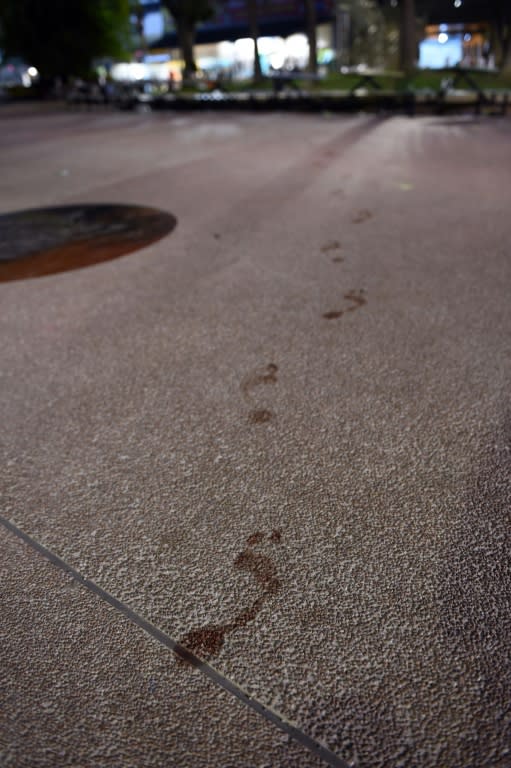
214	675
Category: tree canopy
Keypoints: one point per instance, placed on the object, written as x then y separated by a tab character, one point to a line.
60	37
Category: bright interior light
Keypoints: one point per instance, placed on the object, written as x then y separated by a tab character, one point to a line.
32	71
442	38
244	48
277	61
226	50
270	45
457	3
129	72
138	71
297	45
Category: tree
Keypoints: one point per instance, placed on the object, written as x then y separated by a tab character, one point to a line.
501	29
62	38
310	26
408	37
366	32
187	14
137	14
253	24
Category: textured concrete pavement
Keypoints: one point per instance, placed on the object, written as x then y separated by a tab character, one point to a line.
281	434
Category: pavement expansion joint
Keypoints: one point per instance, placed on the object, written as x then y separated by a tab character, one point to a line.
182	652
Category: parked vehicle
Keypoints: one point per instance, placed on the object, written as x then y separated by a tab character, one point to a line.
16	72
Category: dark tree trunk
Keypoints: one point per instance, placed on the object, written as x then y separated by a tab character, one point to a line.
310	26
408	41
253	24
186	35
504	63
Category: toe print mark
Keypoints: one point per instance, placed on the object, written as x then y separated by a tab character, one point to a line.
361	216
207	641
266	376
254	380
332	245
256	538
356	297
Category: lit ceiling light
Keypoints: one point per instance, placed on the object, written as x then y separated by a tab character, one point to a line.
457	3
442	38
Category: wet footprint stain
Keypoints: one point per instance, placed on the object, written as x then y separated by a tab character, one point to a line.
356	297
258	378
208	641
260	416
260	567
332	245
362	215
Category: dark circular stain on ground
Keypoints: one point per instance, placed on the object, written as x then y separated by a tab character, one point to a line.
43	241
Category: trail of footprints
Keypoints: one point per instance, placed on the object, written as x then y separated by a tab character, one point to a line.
355	298
208	640
267	375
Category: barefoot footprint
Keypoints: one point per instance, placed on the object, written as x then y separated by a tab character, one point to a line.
354	296
266	375
207	641
361	216
332	245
